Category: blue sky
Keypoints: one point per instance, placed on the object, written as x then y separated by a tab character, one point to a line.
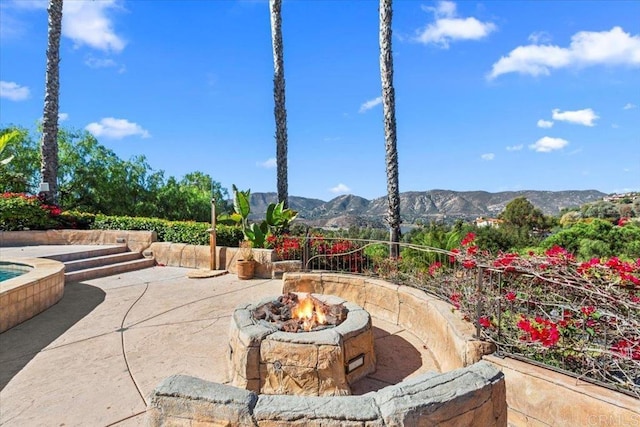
493	95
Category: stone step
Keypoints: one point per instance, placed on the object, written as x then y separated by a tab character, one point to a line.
89	253
108	270
97	261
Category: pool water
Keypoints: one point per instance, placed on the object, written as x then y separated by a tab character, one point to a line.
9	274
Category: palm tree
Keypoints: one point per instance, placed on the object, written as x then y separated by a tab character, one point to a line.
280	110
49	147
389	109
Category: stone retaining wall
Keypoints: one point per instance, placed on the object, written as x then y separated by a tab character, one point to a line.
198	256
471	396
541	397
445	333
31	293
136	241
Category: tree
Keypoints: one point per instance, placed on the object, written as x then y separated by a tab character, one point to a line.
279	110
389	109
520	212
49	147
21	174
601	209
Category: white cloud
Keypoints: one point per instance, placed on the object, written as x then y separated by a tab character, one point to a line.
370	104
539	37
581	117
269	163
545	124
63	117
88	23
93	62
447	27
488	156
629	106
340	189
515	147
547	144
116	128
613	47
13	91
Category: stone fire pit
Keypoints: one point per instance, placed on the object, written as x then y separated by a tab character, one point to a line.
325	362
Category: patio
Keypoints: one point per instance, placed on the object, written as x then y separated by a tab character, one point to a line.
95	357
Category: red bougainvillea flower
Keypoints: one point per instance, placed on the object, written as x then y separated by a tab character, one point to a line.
588	310
454	253
484	322
468	263
433	268
455	300
510	296
505	260
627	348
468	239
472	250
622	221
539	330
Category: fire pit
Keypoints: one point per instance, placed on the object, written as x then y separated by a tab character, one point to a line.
302	344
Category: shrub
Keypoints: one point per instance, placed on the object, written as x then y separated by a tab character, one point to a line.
19	211
189	232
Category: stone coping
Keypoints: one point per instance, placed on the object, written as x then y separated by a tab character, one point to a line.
450	338
474	395
136	241
24	296
542	397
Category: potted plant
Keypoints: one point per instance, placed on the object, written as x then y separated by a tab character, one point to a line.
245	265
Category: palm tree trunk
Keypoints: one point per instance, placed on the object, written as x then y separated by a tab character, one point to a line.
280	110
49	147
389	109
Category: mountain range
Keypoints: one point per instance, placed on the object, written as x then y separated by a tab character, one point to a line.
426	206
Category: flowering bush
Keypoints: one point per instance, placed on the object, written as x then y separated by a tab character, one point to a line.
582	317
19	211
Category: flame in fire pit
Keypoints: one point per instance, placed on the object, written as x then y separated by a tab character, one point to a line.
309	311
304	313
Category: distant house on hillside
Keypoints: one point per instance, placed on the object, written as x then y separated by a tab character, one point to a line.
488	222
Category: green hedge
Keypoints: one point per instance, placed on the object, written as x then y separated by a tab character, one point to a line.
190	232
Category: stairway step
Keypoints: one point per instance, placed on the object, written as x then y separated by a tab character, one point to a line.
81	264
90	253
108	270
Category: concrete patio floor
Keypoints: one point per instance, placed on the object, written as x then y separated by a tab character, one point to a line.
94	358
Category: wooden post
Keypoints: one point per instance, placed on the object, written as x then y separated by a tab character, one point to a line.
212	235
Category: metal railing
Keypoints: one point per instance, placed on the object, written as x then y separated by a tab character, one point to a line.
589	333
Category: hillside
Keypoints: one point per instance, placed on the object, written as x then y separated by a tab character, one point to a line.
348	210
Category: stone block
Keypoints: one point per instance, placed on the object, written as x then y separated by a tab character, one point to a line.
277	378
288	354
181	397
301	282
317	411
362	344
350	288
332	380
382	294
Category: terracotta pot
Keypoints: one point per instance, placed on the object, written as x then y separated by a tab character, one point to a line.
245	269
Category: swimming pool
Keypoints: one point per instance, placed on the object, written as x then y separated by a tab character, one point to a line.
10	270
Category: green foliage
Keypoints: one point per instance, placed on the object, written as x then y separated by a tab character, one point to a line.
189	232
601	209
5	139
93	179
520	212
276	223
22	173
597	238
21	212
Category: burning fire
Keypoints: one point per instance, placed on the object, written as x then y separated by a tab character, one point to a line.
309	312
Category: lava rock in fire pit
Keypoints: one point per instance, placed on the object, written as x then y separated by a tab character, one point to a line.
290	313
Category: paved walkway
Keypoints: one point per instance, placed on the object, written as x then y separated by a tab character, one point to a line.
94	358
